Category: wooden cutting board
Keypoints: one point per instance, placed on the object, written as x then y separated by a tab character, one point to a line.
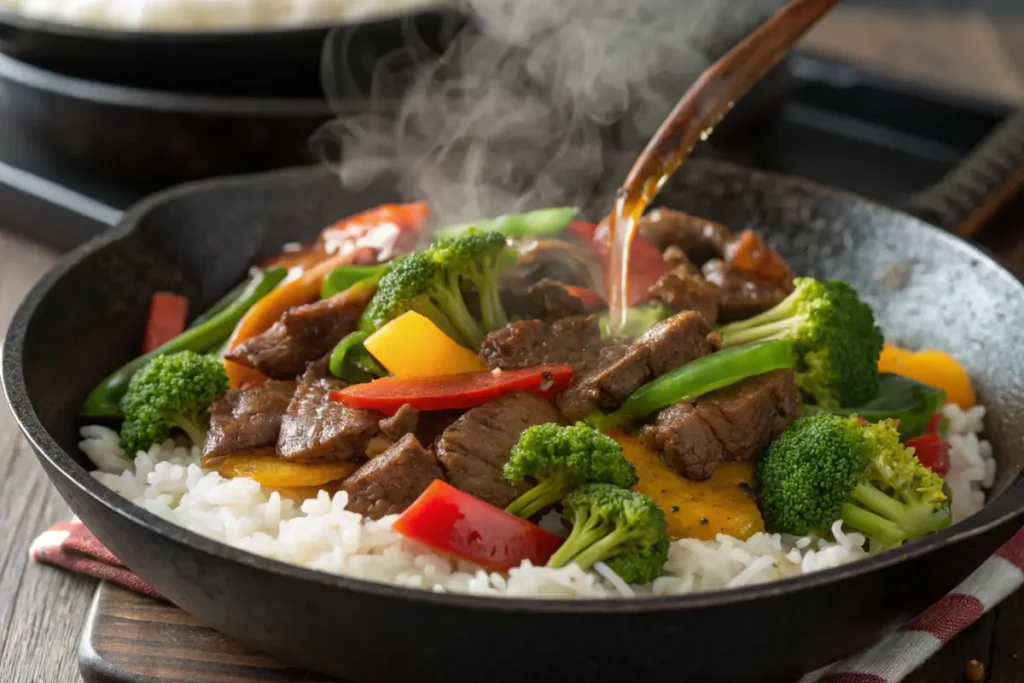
133	639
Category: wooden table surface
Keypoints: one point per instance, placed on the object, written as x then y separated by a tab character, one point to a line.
41	609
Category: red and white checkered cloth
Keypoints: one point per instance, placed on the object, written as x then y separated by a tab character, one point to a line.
70	545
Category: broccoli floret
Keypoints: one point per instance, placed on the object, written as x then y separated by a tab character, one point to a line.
622	528
479	257
560	459
827	467
834	336
171	392
639	319
431	282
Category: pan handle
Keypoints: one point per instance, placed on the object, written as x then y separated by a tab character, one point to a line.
973	193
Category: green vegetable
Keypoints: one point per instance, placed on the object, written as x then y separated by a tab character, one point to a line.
829	467
221	304
171	392
622	528
906	400
699	377
639	319
340	279
835	337
351	361
560	459
104	400
540	223
431	283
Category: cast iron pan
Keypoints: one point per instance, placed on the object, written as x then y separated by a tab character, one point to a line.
268	63
83	319
144	140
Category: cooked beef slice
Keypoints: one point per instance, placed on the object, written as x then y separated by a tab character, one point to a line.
317	428
432	423
734	424
526	343
682	288
302	335
620	370
390	482
401	423
247	419
742	295
475	448
544	300
701	239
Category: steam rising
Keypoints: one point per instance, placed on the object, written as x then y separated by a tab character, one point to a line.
522	109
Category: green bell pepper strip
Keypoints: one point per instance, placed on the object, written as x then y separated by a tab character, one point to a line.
340	279
539	223
221	304
105	399
704	375
351	361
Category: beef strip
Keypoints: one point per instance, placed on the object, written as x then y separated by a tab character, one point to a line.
475	448
684	289
742	295
701	239
544	300
394	479
620	370
316	428
247	419
303	334
526	343
401	423
734	424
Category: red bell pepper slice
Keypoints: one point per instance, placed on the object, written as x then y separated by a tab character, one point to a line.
167	315
451	392
937	424
932	451
646	266
458	524
389	229
592	301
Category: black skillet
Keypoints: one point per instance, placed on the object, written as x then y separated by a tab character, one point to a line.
83	319
273	62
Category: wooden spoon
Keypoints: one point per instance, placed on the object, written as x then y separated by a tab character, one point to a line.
693	119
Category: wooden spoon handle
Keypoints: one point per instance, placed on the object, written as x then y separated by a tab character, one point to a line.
712	96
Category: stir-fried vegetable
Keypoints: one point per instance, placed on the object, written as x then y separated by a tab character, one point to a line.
340	279
700	377
388	230
622	528
412	346
559	459
828	467
540	223
909	402
646	263
104	400
639	319
935	368
932	451
749	253
167	315
171	392
834	336
454	391
592	301
431	283
265	466
455	523
722	504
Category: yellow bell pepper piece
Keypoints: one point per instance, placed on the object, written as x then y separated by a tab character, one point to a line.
933	367
412	346
722	504
268	469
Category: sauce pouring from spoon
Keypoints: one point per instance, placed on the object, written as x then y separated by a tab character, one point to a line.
692	120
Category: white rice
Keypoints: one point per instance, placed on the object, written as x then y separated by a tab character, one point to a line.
320	534
200	15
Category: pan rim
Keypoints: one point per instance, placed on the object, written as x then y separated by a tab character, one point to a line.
1002	509
113	35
